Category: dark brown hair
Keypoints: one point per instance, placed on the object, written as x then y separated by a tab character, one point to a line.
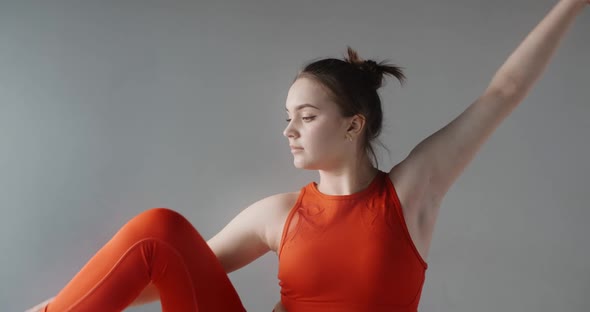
353	83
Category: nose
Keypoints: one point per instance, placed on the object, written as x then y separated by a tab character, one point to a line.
289	130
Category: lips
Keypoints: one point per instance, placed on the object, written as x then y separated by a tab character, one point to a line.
293	147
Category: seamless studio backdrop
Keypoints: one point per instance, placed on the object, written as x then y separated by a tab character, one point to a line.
109	108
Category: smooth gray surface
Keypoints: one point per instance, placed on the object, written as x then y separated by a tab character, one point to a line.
108	108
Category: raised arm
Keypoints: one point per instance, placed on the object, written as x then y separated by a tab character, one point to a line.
436	162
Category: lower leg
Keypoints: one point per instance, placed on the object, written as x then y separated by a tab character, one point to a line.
157	246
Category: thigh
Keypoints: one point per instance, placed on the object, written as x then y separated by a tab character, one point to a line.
158	246
183	268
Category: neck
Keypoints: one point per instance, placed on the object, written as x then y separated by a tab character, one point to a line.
346	180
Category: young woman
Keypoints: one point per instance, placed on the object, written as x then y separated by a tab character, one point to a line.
357	241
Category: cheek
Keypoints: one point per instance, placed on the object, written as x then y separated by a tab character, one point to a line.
323	137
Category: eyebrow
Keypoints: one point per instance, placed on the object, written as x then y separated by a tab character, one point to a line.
302	106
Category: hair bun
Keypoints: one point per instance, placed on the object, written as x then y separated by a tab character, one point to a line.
371	65
375	71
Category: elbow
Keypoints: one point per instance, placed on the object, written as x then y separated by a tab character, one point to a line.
507	88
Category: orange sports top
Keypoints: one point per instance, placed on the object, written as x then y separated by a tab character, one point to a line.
349	253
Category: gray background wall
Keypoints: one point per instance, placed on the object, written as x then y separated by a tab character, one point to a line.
108	108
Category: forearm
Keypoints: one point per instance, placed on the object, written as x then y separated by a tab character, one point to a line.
526	64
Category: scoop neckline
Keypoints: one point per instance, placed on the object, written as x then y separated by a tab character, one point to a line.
368	189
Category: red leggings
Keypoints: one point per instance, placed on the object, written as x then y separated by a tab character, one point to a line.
157	246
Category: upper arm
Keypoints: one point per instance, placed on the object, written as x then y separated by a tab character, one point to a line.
444	155
426	174
244	238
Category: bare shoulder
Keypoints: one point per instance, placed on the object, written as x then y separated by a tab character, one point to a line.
276	212
252	232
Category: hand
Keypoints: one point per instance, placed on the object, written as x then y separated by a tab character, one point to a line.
279	307
40	306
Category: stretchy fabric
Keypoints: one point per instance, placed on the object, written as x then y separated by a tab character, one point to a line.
157	246
349	253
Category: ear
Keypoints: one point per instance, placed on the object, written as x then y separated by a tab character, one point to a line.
356	124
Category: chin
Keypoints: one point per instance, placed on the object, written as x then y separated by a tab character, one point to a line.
300	164
305	165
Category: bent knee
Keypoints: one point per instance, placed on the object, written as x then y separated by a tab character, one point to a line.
162	212
161	218
163	215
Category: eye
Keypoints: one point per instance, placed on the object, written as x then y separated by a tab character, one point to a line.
304	118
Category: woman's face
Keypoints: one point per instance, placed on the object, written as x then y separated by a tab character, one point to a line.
315	125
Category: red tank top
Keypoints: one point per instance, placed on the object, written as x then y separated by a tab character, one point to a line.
349	253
